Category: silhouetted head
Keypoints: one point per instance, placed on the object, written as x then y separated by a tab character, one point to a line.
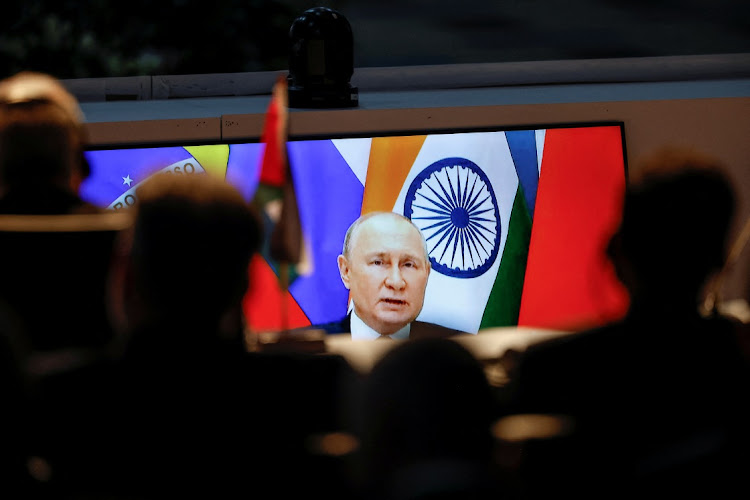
41	133
193	238
676	218
426	402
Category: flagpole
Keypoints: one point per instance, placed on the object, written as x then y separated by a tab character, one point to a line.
275	185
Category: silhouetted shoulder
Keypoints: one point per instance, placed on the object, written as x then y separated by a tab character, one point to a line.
424	330
419	329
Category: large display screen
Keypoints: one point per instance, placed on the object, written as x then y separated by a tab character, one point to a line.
516	219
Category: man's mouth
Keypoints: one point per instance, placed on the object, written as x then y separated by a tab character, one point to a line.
394	302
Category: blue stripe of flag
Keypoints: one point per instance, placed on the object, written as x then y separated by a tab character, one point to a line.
329	197
243	167
522	145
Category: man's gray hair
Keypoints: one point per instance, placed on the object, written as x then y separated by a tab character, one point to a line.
369	215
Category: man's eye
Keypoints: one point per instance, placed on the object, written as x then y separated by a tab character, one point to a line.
377	262
409	264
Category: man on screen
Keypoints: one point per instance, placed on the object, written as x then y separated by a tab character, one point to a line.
385	266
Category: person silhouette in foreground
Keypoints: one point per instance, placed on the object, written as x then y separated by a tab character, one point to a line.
14	393
385	266
424	420
656	398
49	274
168	414
183	381
42	141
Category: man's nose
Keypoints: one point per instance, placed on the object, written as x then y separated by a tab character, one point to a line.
394	278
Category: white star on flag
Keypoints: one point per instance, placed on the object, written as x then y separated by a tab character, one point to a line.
127	180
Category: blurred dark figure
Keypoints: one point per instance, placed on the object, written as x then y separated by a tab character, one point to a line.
424	423
190	243
50	268
303	442
201	414
15	451
168	415
42	139
55	254
657	399
183	392
183	407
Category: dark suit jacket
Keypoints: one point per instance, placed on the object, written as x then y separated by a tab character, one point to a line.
419	329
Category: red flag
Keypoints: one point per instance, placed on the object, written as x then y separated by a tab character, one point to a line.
276	198
274	161
276	185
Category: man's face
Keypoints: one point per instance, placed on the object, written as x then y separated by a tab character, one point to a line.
386	272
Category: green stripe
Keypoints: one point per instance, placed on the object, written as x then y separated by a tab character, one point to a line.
265	194
505	298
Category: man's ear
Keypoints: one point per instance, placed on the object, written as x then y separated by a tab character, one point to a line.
343	270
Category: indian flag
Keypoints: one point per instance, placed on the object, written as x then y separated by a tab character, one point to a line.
465	193
496	260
